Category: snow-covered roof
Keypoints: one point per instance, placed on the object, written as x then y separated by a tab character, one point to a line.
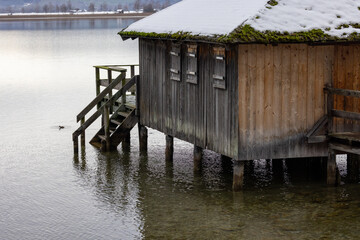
245	20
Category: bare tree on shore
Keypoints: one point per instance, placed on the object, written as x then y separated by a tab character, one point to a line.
91	7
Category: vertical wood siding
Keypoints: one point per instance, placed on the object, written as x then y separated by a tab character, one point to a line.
280	98
347	76
194	112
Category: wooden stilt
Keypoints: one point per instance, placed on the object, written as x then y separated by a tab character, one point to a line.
76	145
127	139
143	135
169	150
107	128
331	168
83	133
238	175
126	143
353	167
198	154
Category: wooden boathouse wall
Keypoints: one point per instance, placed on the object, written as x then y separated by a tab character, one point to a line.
281	98
195	112
274	95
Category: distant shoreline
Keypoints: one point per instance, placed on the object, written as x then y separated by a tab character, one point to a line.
64	16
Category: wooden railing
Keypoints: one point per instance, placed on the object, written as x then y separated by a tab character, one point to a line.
106	108
331	112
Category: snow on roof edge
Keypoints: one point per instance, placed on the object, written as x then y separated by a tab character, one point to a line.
331	25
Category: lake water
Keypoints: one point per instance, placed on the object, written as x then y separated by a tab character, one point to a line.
46	78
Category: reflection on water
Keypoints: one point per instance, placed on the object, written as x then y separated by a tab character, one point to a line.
77	24
283	199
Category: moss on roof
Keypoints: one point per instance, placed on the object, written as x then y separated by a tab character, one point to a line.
247	34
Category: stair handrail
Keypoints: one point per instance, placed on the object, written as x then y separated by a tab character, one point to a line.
100	97
108	103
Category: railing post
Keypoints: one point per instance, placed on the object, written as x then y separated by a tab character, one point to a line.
97	83
123	97
137	82
132	74
82	133
329	107
109	72
107	127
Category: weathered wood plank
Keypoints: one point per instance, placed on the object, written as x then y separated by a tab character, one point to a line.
344	114
311	101
294	124
260	77
343	92
285	92
277	105
243	100
269	122
252	100
302	87
233	99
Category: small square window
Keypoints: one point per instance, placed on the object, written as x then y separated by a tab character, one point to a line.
219	73
175	65
191	71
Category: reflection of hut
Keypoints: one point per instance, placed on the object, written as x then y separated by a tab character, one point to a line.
246	79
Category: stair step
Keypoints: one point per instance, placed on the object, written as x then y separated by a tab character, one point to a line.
130	106
102	137
123	114
115	121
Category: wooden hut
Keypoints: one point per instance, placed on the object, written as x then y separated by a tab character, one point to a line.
246	79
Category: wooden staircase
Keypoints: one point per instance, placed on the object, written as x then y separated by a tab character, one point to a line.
118	116
120	125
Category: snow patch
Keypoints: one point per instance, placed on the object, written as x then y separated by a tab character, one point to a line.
200	17
304	15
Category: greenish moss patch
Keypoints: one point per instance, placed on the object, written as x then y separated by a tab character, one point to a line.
272	3
247	34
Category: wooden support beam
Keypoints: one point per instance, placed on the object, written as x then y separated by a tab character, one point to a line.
143	136
132	74
329	107
238	175
126	142
76	145
169	150
109	73
343	92
331	168
107	127
83	133
345	114
198	154
97	84
352	168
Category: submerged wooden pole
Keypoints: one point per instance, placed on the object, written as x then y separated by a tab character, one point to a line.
76	145
143	136
127	138
107	127
83	133
331	168
169	150
238	175
352	163
198	154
